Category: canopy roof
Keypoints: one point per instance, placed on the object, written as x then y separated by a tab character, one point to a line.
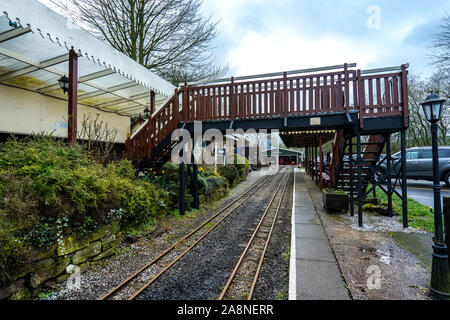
34	52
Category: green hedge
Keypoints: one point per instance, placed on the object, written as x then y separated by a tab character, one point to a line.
48	189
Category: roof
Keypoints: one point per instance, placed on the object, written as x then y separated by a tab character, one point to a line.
285	152
34	46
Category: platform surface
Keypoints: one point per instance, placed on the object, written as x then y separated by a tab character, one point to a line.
314	273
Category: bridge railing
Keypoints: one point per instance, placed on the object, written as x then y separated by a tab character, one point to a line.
333	89
281	96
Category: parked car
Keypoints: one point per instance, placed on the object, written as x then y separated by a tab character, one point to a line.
419	163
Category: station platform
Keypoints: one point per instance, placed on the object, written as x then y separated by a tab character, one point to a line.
314	273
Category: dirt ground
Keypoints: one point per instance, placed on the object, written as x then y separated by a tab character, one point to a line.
373	265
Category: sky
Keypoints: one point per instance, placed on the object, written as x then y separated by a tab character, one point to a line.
260	36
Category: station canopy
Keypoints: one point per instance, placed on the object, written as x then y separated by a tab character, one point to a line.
34	54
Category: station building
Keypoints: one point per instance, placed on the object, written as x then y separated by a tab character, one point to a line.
38	48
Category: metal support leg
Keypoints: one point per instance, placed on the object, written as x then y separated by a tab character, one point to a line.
404	181
321	164
389	173
359	161
182	178
352	199
196	187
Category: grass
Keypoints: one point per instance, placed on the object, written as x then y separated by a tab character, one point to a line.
419	215
287	254
282	295
138	231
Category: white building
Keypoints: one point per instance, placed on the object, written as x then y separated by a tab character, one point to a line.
35	46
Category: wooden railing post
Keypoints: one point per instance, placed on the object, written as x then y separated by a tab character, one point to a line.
346	88
361	97
405	102
152	102
175	108
185	104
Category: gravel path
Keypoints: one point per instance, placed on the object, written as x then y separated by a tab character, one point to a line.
201	274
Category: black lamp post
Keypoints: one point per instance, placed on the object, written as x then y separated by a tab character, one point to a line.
64	83
147	113
440	274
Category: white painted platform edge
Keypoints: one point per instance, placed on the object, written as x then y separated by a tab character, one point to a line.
292	262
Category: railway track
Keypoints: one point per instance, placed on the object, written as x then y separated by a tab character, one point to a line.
242	282
132	286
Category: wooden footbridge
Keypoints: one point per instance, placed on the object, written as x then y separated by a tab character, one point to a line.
363	108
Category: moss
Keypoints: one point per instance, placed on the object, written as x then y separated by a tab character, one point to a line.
333	191
51	191
27	82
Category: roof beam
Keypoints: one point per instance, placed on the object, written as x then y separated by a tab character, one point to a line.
129	109
31	62
42	65
14	33
96	75
83	79
139	96
110	90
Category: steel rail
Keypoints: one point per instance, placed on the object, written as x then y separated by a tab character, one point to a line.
258	270
284	181
248	193
192	246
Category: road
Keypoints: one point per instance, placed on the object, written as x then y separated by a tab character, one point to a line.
422	191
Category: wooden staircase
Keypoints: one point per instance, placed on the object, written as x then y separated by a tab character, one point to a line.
345	168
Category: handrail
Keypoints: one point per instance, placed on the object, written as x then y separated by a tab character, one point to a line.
274	74
379	70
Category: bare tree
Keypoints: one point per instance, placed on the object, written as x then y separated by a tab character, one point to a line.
419	133
97	138
441	44
169	37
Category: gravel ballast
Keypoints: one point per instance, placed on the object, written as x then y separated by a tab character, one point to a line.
97	280
202	273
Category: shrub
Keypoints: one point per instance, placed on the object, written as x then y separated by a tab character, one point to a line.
242	165
168	179
215	183
49	188
230	172
12	251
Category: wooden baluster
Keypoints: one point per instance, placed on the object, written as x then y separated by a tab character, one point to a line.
272	98
233	110
260	100
387	94
311	96
370	82
395	98
347	89
292	97
304	95
285	100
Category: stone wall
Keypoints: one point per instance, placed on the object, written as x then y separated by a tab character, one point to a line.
57	263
